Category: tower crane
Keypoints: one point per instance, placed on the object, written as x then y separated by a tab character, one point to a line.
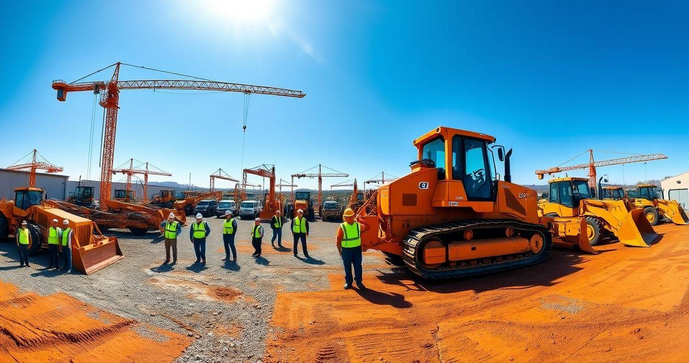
110	98
380	179
220	174
592	165
131	170
355	198
33	165
320	175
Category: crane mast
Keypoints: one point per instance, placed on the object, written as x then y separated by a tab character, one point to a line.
129	172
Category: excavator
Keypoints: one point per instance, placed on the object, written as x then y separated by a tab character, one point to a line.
452	216
569	201
91	250
649	198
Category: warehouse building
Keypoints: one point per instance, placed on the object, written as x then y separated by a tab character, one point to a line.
55	185
677	188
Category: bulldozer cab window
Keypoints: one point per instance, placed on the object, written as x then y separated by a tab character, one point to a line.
27	198
435	150
554	196
302	195
645	193
476	174
561	193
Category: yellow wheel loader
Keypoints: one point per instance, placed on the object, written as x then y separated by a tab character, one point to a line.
569	202
91	251
649	198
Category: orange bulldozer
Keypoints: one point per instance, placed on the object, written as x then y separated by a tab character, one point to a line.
452	216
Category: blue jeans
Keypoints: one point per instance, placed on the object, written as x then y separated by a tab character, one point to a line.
200	248
352	256
277	233
228	241
302	237
67	258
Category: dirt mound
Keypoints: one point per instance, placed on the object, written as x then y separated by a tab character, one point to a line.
57	327
626	304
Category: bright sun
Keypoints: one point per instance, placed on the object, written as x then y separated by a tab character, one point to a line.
242	11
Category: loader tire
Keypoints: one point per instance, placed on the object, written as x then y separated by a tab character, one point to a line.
36	242
593	230
138	231
651	215
4	228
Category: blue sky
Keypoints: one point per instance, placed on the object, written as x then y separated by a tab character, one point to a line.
549	79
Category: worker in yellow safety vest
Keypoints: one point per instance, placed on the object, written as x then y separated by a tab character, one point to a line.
23	241
257	237
276	226
197	233
66	246
54	234
172	229
349	245
229	230
300	229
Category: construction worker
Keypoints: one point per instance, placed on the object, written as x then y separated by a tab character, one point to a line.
349	245
257	237
228	232
300	229
172	230
276	226
66	239
54	233
197	233
23	240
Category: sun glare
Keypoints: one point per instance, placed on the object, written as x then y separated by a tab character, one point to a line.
242	11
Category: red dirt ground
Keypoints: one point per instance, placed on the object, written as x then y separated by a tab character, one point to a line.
625	304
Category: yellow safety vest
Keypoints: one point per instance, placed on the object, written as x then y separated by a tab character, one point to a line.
199	230
351	235
65	236
227	227
299	225
256	232
278	222
171	230
24	236
53	239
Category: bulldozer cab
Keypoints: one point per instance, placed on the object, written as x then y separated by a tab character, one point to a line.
565	196
124	195
82	195
614	193
25	198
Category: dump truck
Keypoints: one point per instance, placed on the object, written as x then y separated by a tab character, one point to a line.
91	250
649	198
569	201
451	216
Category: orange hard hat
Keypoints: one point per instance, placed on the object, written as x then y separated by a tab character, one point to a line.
349	212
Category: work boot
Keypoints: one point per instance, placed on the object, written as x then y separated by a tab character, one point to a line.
22	265
174	262
347	286
166	262
198	261
361	285
27	265
226	258
203	262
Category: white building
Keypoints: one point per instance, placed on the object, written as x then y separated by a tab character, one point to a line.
677	188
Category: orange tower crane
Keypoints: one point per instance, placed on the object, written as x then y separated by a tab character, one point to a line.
380	179
220	174
33	165
592	165
110	98
272	204
320	175
131	170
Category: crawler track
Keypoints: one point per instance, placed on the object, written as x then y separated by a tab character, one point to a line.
413	245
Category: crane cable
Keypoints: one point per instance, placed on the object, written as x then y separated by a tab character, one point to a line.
245	116
93	126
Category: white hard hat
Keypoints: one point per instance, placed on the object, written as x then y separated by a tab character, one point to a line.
199	216
257	219
54	220
172	215
227	213
65	222
300	211
24	222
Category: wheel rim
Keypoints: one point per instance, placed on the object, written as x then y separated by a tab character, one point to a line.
650	216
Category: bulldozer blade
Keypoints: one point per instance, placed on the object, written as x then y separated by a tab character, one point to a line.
583	240
635	230
93	257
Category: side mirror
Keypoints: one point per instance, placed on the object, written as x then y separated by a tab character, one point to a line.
501	153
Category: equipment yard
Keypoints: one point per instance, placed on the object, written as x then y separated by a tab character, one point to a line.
622	304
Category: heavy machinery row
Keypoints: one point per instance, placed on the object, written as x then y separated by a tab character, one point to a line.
451	216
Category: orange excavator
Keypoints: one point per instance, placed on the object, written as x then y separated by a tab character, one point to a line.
451	216
271	202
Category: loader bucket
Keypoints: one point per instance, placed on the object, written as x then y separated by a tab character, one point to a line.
583	240
674	212
93	257
635	230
